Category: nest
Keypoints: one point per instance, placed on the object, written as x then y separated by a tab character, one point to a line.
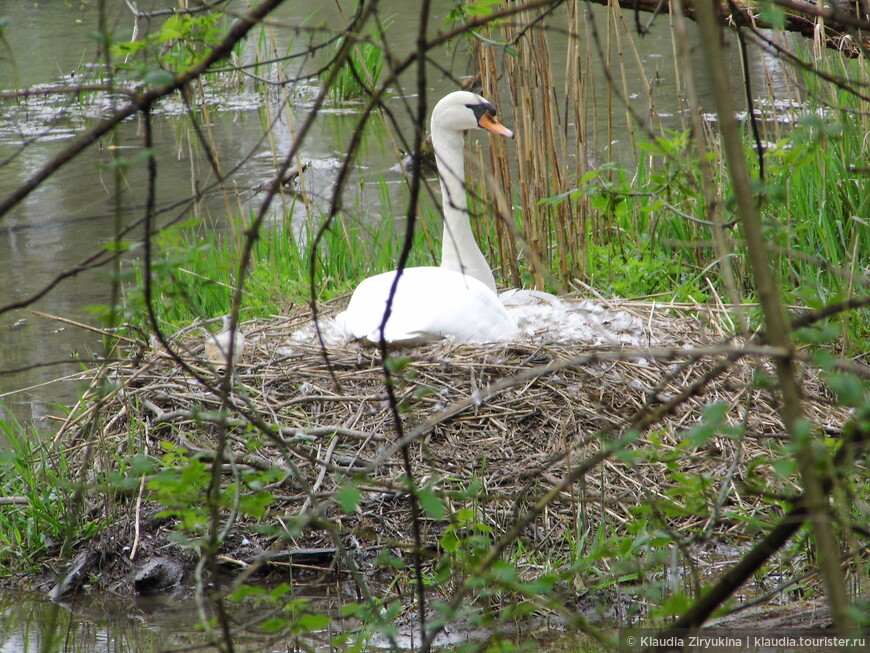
495	428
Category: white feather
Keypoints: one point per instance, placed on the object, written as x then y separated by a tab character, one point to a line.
429	304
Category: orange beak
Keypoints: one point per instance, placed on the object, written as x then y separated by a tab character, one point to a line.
489	123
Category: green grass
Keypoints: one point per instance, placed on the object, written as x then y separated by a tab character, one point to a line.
194	273
41	520
360	72
813	202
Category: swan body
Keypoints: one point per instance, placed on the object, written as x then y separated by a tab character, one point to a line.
429	304
457	300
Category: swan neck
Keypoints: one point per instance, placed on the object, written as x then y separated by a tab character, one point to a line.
459	250
450	159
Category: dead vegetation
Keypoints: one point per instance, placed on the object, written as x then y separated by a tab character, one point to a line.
511	422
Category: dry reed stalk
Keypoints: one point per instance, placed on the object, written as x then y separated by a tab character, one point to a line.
540	149
558	234
213	155
500	171
617	25
578	74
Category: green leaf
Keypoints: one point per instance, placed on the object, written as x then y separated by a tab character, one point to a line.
504	572
482	8
849	389
431	503
280	590
309	622
824	359
464	516
348	498
449	541
273	625
827	333
117	246
701	434
543	585
763	380
676	604
803	432
245	591
784	466
141	464
715	413
772	14
627	456
398	364
255	504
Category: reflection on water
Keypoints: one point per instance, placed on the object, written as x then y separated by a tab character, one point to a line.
30	623
103	622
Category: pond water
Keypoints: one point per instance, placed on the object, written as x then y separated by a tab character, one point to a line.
69	218
30	623
105	623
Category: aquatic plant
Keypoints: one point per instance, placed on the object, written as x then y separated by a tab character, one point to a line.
359	72
178	43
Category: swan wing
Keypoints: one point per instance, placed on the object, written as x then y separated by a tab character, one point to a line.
429	304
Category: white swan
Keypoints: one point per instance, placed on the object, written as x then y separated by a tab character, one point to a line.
457	300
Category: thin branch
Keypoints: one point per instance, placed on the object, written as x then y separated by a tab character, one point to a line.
777	331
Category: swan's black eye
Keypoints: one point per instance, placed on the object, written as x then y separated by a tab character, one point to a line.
479	109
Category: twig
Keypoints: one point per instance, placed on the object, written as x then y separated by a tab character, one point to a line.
88	327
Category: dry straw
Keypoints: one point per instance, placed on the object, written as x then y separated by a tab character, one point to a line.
517	418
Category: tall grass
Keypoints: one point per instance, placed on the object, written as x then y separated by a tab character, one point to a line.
821	216
643	228
358	74
37	516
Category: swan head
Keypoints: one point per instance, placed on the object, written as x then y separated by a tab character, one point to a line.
462	110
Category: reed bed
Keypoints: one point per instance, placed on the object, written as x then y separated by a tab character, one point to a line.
491	428
656	207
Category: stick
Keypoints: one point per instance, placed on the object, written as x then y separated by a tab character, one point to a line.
86	327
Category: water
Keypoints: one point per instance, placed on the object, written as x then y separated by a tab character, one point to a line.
107	623
29	623
66	221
